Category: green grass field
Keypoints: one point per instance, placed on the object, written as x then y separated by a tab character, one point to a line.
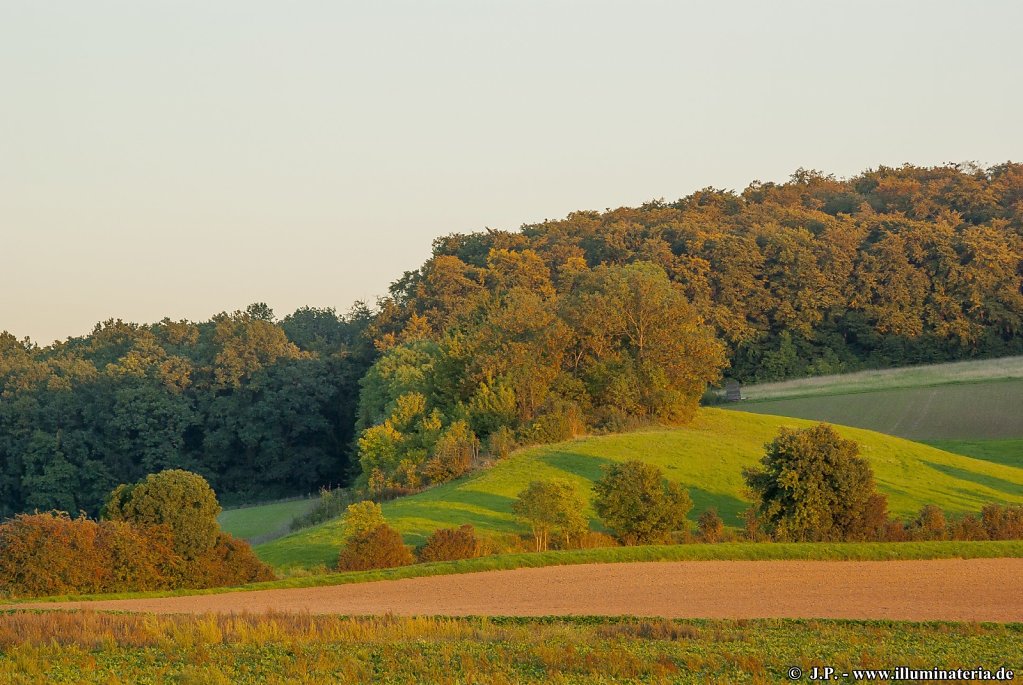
1008	452
265	520
707	457
90	647
957	411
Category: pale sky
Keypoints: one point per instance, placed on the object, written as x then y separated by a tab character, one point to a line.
182	158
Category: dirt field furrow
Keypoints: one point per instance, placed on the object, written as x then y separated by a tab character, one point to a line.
946	589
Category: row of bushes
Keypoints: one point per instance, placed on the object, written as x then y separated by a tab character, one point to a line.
995	522
383	547
54	554
159	533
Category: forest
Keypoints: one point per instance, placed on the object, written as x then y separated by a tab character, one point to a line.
598	322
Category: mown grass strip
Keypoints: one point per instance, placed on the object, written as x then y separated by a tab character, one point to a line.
738	551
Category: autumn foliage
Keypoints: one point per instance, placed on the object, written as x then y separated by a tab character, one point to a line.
161	533
54	554
379	547
449	544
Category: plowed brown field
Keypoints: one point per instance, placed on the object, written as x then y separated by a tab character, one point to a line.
945	589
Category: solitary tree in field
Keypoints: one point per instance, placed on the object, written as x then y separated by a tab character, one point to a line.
812	486
550	506
639	505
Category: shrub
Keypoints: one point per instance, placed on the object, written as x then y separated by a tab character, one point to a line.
895	531
229	562
449	544
753	528
453	454
871	523
592	539
139	558
710	526
550	506
637	503
508	543
812	486
968	527
179	499
362	517
1003	522
561	423
380	547
53	554
501	442
50	554
930	524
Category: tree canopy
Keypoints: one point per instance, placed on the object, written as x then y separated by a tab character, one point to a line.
180	500
598	321
639	505
814	486
260	408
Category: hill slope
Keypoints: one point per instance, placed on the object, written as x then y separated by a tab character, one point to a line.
964	411
924	375
707	457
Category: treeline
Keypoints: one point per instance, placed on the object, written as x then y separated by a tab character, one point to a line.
895	266
600	321
521	361
261	408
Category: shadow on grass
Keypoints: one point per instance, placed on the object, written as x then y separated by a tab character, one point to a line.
1000	484
584	465
1005	452
728	507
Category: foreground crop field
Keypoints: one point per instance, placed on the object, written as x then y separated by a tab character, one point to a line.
707	457
922	590
89	647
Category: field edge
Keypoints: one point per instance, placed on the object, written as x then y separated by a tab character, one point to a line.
740	551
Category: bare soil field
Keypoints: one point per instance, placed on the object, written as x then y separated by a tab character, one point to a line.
945	589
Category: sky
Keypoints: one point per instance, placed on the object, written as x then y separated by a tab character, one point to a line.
182	158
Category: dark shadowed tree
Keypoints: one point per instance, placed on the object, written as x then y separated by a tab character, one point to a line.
812	485
639	505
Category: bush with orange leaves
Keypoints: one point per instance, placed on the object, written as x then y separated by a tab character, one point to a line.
43	554
379	547
229	562
451	544
54	554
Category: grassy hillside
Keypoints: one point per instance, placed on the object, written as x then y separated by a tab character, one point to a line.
963	411
1008	452
263	522
707	457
